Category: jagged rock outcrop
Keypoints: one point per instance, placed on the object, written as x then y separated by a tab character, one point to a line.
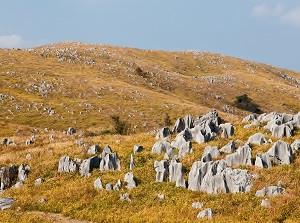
66	164
183	123
270	191
23	172
182	145
257	138
71	131
94	149
213	150
229	147
137	148
163	133
176	173
282	130
242	156
296	145
110	162
118	185
161	147
87	166
8	176
227	130
161	168
249	118
281	153
106	150
207	213
216	177
131	165
129	179
263	160
6	202
98	183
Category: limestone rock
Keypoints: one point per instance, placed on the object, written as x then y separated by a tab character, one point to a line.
229	147
38	181
125	197
213	150
6	202
87	166
270	191
137	148
281	153
71	131
94	149
129	179
66	164
206	214
242	156
98	183
161	147
197	205
263	160
161	168
265	203
176	173
164	132
8	175
110	162
227	130
257	138
131	165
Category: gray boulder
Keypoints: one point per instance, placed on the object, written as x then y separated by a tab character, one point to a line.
263	160
137	148
196	175
265	203
213	150
106	150
129	179
110	162
87	166
66	164
227	130
182	145
249	118
179	125
229	147
206	157
125	197
197	205
206	214
257	138
164	132
108	186
131	165
161	147
8	176
176	173
296	145
6	202
23	172
118	185
94	149
161	168
38	181
242	156
270	191
281	153
71	131
283	130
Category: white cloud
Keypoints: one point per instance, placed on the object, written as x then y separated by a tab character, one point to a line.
17	41
264	10
279	13
11	41
292	17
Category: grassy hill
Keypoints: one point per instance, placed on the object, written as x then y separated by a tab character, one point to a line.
84	85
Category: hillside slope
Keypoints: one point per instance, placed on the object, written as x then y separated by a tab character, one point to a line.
83	85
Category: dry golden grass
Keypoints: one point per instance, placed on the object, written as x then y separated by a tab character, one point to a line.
85	95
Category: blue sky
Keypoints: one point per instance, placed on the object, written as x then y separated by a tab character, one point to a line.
265	31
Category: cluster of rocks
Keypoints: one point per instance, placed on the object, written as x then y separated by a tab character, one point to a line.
108	160
128	179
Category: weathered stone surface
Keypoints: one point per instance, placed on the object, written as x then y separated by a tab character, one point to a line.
182	145
108	187
23	172
164	132
118	185
94	149
229	147
227	130
216	177
176	173
257	138
242	156
137	148
161	168
87	166
281	153
213	150
206	157
263	160
206	214
8	176
296	145
6	202
179	125
110	162
66	164
270	191
265	203
249	118
197	205
131	165
71	131
161	147
106	150
160	196
98	183
129	179
282	130
38	181
125	197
